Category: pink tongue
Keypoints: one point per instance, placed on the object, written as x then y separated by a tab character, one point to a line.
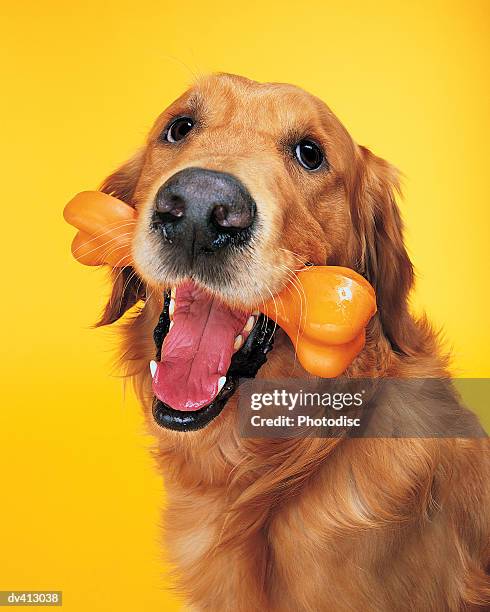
198	349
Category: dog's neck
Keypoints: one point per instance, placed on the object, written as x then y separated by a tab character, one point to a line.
215	453
219	456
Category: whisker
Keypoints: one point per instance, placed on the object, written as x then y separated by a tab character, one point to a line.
300	258
301	293
276	309
118	265
98	236
126	284
108	242
297	285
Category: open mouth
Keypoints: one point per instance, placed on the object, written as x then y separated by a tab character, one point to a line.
203	348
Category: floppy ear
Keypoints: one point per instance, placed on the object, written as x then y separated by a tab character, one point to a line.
122	182
127	287
381	253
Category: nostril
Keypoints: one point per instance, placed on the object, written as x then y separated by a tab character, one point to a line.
169	204
229	218
173	205
220	215
176	206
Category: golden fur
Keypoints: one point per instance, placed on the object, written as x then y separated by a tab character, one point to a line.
305	524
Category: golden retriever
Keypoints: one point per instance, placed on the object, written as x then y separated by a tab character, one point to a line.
238	184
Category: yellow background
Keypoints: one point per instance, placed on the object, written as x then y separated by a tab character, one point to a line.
81	85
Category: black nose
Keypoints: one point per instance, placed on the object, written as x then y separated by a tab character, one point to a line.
204	211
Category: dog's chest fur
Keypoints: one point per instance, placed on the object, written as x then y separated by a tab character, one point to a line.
343	543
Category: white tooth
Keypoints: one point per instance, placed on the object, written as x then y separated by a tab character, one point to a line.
172	292
171	308
238	342
250	323
171	325
221	383
153	368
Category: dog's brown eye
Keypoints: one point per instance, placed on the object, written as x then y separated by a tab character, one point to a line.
309	154
179	129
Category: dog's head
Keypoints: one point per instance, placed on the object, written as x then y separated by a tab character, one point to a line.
239	184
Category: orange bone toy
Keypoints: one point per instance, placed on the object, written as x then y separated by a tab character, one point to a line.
106	227
324	311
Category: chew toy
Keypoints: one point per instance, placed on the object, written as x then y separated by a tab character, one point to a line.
324	311
105	226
